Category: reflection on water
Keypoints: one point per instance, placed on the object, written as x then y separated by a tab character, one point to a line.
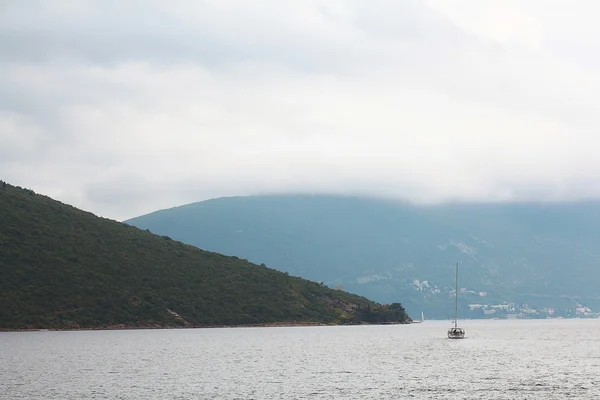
549	359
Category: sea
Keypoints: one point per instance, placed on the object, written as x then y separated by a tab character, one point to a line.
498	359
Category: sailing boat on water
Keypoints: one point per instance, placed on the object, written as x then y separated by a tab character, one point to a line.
422	319
455	332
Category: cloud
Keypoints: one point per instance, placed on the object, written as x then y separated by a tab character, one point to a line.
122	109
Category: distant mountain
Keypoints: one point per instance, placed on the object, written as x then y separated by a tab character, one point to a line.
533	255
61	267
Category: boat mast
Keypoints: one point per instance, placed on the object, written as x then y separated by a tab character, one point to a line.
456	297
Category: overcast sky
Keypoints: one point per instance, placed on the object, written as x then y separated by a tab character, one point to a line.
125	107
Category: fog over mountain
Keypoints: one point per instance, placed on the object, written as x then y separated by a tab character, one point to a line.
123	108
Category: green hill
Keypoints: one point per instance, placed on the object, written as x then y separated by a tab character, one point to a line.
61	267
540	255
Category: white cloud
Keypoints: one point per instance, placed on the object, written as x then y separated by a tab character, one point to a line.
506	22
122	109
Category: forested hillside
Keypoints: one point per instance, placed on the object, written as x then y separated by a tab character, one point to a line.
61	267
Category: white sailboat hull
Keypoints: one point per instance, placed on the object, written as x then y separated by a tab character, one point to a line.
456	333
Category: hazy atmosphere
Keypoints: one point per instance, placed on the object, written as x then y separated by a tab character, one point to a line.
122	108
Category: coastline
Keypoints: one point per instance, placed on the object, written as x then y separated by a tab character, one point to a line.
122	327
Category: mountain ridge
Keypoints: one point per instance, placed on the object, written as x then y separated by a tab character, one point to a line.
511	253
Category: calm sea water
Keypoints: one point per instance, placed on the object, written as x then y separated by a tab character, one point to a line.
549	359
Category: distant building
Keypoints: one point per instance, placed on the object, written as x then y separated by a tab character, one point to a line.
583	310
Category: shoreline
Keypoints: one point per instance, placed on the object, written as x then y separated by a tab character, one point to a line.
121	327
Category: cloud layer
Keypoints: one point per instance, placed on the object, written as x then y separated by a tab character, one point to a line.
125	108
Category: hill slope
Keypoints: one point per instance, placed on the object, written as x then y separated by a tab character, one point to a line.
61	267
541	255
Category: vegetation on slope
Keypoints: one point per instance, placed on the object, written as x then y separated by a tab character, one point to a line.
61	267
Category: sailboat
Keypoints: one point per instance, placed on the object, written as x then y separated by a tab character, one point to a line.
455	332
422	319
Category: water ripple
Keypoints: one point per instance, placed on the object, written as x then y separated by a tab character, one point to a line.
554	359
